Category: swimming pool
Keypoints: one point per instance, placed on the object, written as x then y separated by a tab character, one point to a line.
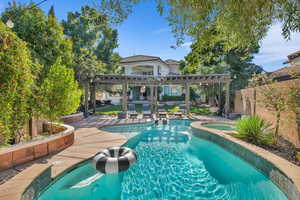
172	164
220	126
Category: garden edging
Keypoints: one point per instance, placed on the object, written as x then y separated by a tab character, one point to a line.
29	151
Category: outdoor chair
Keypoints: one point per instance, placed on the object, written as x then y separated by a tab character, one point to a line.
131	111
162	113
146	111
181	111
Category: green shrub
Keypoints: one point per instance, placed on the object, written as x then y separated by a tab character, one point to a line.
298	156
255	130
200	111
16	81
173	98
173	109
59	93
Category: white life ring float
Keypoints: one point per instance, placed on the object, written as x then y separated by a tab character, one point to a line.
114	159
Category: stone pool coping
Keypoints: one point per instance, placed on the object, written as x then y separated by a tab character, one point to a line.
283	173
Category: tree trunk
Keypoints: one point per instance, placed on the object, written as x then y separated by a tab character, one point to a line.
276	133
254	103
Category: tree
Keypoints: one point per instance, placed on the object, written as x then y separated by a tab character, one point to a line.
43	34
293	98
89	29
59	94
51	12
87	66
239	23
215	59
16	81
271	97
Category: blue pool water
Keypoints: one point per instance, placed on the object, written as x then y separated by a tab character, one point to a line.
172	164
220	126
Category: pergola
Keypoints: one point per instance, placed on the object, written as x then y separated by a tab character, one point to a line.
154	81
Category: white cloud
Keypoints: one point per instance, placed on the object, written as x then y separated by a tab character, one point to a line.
187	44
274	49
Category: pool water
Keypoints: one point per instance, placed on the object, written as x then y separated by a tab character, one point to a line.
220	126
172	164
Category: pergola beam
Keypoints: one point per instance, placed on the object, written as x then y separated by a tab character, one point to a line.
161	80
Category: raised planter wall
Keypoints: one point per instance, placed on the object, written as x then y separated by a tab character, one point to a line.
72	118
29	151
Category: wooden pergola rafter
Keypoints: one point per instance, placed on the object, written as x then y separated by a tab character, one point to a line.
154	81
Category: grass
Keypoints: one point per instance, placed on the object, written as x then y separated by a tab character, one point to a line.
115	109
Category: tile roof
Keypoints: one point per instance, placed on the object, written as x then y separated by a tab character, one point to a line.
285	71
294	55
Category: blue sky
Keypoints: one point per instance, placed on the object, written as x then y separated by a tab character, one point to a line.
146	32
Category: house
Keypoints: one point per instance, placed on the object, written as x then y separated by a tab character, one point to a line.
293	59
293	63
151	65
247	103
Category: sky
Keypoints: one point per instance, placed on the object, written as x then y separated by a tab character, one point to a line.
145	32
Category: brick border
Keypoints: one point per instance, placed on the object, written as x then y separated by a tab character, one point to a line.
29	151
283	173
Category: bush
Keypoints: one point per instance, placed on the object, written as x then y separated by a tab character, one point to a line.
200	111
255	130
59	94
298	156
16	81
173	98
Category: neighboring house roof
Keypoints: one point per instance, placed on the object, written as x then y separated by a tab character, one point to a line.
139	58
284	73
292	56
172	62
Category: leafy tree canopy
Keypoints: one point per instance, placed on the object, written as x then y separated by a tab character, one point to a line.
87	65
239	23
93	40
43	34
59	94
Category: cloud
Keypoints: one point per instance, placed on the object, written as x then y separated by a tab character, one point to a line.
274	48
187	44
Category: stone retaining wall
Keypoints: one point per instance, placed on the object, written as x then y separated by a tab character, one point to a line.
283	173
28	151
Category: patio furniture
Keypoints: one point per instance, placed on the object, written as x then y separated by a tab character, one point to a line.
131	111
181	111
161	112
122	115
146	111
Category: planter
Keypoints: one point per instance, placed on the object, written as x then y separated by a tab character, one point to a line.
72	118
28	151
